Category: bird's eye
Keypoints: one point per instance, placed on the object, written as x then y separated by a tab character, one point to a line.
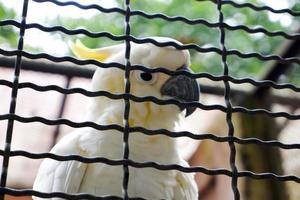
145	77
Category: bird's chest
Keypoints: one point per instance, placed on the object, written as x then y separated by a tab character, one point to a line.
101	179
149	183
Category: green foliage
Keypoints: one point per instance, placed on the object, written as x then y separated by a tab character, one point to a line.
8	34
198	34
292	75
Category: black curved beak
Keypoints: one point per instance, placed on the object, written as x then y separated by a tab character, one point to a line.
182	88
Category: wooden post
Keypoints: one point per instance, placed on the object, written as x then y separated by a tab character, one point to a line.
258	158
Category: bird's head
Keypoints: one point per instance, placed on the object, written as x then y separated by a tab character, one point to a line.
159	85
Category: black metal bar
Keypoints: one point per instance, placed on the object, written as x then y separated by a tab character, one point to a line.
13	101
61	195
237	95
162	44
121	11
74	69
230	126
179	18
203	136
232	52
127	102
261	8
67	69
165	167
153	99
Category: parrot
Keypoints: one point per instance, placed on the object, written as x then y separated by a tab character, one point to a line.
103	179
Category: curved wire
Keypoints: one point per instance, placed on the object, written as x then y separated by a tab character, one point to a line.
149	164
178	18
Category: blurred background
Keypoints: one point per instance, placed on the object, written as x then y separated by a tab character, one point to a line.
38	137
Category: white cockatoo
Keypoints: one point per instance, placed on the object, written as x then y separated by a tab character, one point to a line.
101	179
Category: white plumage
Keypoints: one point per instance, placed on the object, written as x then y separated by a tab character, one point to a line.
101	179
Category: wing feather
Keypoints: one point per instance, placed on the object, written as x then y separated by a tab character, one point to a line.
58	176
186	187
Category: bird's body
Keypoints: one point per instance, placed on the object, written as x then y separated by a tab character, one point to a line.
103	179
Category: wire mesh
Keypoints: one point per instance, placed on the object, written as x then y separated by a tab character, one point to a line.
231	139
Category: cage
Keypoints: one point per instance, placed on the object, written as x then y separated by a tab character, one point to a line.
252	152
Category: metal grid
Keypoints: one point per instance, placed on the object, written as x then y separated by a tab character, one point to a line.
126	96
